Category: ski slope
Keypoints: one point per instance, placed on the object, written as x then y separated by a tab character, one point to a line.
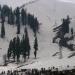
48	13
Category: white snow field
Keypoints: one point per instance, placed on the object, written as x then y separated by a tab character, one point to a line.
48	13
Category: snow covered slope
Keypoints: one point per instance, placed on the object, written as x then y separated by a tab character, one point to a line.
48	12
14	3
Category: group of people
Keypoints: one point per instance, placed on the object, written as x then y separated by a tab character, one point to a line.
43	71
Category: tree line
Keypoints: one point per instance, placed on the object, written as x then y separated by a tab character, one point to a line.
43	71
17	17
22	47
18	46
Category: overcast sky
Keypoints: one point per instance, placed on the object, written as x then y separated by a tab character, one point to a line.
71	1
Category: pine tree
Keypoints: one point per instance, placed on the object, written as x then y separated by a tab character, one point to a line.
0	8
27	44
18	52
11	17
72	31
18	28
14	48
9	52
23	17
17	13
2	28
23	50
35	47
5	10
35	26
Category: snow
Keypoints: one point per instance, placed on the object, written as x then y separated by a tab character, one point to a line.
14	3
9	67
48	12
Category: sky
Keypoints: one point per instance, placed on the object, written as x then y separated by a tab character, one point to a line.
70	1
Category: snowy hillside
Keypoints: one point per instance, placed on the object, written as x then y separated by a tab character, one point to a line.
48	12
15	3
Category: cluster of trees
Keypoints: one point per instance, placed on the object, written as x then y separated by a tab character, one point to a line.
27	18
33	22
22	47
19	17
61	31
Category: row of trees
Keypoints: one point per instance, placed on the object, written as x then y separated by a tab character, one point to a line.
22	47
19	17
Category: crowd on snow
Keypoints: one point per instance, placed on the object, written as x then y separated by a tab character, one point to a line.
43	71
